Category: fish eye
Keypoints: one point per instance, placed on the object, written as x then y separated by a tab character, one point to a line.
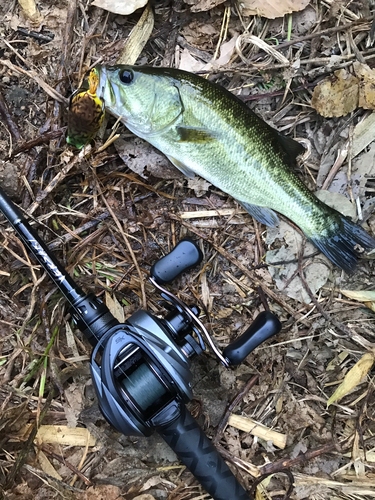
126	76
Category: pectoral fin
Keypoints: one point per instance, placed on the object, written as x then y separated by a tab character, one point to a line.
194	134
183	168
264	215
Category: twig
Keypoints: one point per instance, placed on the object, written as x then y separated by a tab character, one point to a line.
22	457
276	93
328	31
41	139
32	163
32	74
261	478
13	129
68	237
302	457
58	178
143	291
223	422
62	460
68	35
341	157
325	315
278	298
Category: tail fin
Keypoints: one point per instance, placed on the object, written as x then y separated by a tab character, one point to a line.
341	241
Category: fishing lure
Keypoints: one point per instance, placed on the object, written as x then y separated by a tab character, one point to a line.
86	113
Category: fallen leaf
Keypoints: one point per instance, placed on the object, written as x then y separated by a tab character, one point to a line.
353	377
271	9
366	85
115	307
316	273
144	160
190	63
199	185
337	95
47	467
102	492
226	51
119	6
363	134
224	312
365	296
337	201
203	5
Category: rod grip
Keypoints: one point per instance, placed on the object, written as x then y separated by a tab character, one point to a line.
196	451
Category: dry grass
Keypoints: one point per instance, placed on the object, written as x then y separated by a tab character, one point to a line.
108	225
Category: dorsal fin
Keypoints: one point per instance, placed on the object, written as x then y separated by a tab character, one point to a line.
291	148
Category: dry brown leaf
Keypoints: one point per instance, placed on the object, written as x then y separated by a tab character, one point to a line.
102	492
115	307
119	6
365	296
353	377
271	9
336	96
203	5
199	185
366	85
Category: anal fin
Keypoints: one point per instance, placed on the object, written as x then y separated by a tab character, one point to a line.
181	167
264	215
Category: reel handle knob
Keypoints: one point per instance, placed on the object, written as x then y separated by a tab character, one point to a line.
184	256
264	326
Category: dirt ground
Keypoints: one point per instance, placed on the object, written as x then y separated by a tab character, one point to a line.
110	214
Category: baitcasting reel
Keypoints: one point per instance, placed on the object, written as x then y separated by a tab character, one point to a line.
140	369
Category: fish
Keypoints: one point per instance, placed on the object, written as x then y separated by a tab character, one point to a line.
86	112
207	131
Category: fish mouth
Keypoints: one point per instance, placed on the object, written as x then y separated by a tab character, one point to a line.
105	89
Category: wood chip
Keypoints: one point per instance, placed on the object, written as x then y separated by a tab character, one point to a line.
63	435
256	429
220	212
138	38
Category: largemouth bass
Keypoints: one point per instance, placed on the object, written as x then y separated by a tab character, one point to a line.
203	129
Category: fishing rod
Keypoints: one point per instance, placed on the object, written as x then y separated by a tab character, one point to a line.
141	368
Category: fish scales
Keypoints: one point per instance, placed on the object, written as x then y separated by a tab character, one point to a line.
203	129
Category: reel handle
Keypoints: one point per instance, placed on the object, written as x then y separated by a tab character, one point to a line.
185	255
196	451
265	326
